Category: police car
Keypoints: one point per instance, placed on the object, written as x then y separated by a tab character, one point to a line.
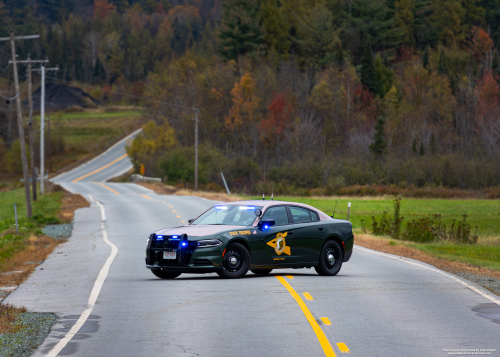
232	238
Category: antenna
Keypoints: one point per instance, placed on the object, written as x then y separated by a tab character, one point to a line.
272	193
264	186
333	216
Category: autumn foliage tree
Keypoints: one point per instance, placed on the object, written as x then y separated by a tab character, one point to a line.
102	8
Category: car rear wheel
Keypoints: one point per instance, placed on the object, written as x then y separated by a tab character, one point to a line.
164	274
235	263
330	259
261	271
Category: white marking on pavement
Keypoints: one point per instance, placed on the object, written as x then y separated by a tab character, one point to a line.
8	288
473	288
95	290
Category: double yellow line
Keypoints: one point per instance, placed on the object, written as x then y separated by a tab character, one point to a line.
100	169
325	344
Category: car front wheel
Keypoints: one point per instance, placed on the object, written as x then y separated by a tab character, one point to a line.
330	259
164	274
235	263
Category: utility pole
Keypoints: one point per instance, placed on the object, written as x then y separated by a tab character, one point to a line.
28	62
196	152
20	117
42	128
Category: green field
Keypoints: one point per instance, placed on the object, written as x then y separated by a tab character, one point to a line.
485	214
44	211
76	137
46	205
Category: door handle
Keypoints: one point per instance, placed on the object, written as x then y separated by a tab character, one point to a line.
321	229
290	233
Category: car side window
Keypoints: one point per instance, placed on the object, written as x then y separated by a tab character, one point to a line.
300	215
314	216
277	213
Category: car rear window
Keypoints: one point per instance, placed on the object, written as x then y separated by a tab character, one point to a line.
300	215
314	216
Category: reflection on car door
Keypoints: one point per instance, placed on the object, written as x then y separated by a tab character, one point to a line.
278	243
309	234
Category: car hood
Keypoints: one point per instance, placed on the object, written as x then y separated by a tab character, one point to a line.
198	230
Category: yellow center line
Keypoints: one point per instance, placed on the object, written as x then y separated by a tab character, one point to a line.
325	344
326	321
109	188
149	198
343	347
178	216
102	168
183	222
173	211
289	276
308	296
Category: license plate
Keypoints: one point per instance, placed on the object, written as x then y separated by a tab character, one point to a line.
169	255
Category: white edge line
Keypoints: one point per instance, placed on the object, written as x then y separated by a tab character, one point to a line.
95	290
485	294
97	157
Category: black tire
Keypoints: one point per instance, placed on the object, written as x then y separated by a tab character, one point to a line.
164	274
261	271
235	263
326	266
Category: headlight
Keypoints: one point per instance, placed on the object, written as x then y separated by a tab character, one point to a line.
209	243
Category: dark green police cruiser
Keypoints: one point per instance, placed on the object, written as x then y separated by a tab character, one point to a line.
232	238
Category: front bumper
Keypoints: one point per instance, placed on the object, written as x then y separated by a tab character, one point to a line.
199	260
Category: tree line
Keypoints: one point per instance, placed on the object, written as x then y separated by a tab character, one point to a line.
327	93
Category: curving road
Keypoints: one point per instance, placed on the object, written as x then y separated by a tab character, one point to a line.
109	304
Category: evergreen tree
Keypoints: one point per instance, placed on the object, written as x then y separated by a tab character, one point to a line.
449	18
275	27
317	37
414	146
421	151
372	17
240	31
433	145
368	72
495	64
384	76
442	67
404	19
378	147
425	59
474	13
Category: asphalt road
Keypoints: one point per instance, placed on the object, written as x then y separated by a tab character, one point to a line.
376	306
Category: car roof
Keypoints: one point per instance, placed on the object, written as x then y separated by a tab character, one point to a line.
268	203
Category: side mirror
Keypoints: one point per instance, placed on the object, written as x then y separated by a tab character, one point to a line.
265	224
190	220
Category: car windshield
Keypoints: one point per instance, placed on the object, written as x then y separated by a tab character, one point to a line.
231	215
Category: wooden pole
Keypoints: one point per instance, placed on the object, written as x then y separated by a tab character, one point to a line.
196	152
32	139
21	128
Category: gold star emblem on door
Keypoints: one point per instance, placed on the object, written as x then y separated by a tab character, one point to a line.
279	244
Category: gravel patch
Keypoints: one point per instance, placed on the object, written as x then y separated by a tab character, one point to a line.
58	231
34	327
489	283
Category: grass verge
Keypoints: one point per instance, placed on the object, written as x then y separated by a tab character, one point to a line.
21	251
474	261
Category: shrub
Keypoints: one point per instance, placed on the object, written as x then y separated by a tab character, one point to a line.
423	230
